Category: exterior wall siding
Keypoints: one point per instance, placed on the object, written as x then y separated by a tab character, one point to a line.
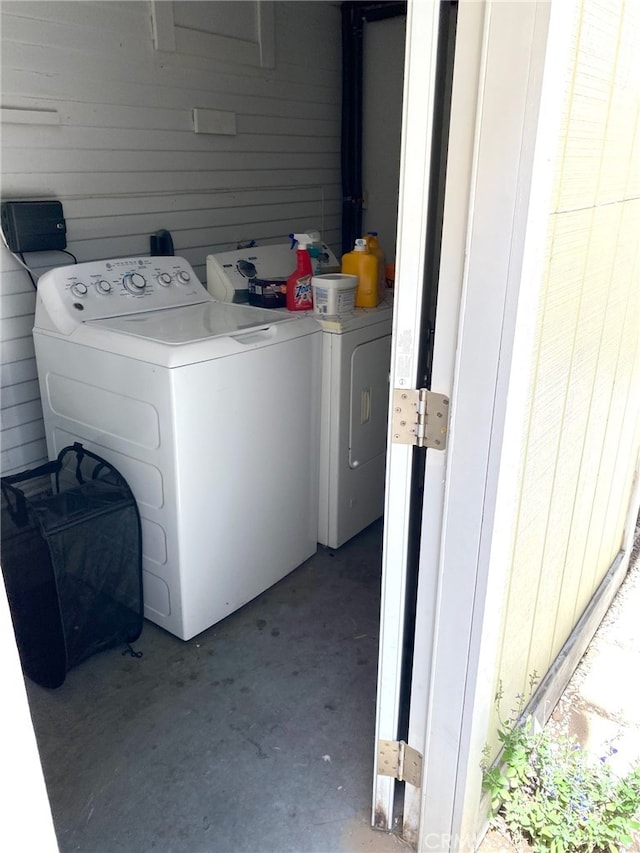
97	117
582	434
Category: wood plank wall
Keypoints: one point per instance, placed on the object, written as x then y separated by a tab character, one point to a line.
581	437
97	117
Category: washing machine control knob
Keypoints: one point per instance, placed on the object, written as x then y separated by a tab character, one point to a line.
79	289
134	282
165	279
184	277
104	286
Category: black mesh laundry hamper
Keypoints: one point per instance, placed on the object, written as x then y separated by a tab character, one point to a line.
71	558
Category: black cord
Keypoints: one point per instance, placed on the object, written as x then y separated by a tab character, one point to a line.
21	256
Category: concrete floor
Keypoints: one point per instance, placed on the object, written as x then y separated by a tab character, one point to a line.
257	735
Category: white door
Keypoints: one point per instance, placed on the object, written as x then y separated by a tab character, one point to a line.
500	147
415	178
406	689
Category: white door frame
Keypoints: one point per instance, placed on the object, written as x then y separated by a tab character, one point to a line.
524	63
419	88
461	176
501	151
512	40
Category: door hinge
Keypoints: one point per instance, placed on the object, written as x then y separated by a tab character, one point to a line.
397	759
420	417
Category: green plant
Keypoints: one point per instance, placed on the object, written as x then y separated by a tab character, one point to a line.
551	793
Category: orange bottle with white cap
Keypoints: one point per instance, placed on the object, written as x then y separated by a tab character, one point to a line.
362	263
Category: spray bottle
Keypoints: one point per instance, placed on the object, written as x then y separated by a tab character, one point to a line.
299	291
314	247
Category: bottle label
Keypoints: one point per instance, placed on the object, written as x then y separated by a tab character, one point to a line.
303	294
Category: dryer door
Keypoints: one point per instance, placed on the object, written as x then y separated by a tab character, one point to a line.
369	400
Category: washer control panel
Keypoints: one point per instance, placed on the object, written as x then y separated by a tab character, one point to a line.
71	295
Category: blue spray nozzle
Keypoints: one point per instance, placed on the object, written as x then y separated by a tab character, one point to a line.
303	240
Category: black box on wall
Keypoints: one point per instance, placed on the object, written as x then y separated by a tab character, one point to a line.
34	226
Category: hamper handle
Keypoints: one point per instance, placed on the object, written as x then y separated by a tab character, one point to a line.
18	512
81	452
15	497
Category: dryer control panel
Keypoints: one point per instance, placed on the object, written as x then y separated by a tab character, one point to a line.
70	295
229	273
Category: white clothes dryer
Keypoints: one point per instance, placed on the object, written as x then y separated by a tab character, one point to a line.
209	410
354	408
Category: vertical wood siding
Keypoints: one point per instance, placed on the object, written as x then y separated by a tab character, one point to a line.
583	434
124	159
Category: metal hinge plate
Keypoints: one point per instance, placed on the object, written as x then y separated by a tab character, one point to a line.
399	760
420	417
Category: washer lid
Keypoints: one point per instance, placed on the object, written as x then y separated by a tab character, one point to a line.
191	323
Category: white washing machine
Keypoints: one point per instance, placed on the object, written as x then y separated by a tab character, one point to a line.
209	410
356	357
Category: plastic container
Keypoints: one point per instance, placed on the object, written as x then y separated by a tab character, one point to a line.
376	249
364	265
390	275
299	289
334	293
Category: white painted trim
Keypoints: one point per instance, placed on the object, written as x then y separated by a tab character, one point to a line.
489	235
164	35
418	103
509	77
460	176
267	33
542	128
260	52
